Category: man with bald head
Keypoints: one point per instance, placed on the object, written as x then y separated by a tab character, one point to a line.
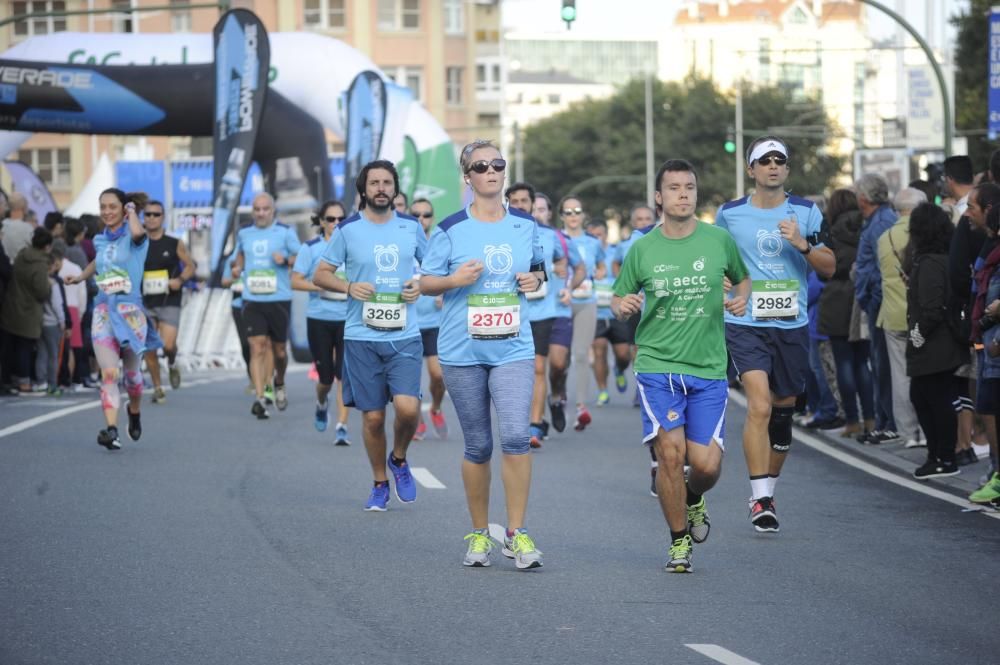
265	251
16	229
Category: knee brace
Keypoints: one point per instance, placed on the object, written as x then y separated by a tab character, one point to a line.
779	428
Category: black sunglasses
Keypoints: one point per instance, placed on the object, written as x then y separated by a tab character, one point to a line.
571	211
425	215
482	166
153	214
766	161
333	218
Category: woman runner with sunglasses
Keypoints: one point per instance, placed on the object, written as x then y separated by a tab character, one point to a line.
325	318
483	259
584	306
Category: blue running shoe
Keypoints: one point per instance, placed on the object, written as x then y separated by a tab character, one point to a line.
378	499
342	439
322	417
603	398
406	488
620	383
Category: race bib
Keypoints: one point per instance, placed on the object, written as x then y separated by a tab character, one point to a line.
604	294
542	291
262	282
774	299
237	287
385	311
335	295
584	291
155	282
114	281
495	316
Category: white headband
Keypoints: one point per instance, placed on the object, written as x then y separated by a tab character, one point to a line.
765	147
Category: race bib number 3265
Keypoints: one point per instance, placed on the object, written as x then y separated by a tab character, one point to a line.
385	311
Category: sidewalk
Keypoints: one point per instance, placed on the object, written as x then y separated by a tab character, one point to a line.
902	460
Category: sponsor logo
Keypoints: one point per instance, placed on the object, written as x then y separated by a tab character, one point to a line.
53	78
499	258
769	243
672	415
386	257
259	248
664	268
699	264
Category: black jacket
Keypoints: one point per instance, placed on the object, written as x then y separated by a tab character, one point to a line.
837	299
939	348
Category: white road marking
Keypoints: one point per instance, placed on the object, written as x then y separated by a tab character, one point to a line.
718	654
825	448
497	532
38	420
426	478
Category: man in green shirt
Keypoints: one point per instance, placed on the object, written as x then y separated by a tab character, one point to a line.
678	270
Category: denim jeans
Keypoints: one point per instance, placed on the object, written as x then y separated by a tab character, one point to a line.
819	397
854	378
882	377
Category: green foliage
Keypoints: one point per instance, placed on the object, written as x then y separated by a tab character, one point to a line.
970	78
691	120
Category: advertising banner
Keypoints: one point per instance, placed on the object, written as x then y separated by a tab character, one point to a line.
993	76
364	104
242	59
28	183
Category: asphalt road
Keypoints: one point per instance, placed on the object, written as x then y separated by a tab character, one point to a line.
221	539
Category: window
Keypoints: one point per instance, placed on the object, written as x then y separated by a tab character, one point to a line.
488	78
38	26
398	14
121	21
51	164
553	99
328	14
408	77
180	16
453	85
454	17
798	17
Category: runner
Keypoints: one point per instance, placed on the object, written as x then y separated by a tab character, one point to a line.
540	307
168	266
429	313
265	251
641	219
119	328
609	329
560	336
584	300
379	249
681	366
483	259
236	310
780	238
325	317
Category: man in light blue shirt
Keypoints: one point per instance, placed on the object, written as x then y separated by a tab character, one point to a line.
379	250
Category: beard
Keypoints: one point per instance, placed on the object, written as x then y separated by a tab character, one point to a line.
376	207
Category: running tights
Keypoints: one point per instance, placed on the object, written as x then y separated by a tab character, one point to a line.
584	328
107	359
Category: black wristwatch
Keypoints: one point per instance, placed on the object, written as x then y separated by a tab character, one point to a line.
805	252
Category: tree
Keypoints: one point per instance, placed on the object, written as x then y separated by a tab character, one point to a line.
691	120
970	78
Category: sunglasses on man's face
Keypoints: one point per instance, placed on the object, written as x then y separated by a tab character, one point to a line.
766	161
571	211
423	215
154	214
333	219
482	166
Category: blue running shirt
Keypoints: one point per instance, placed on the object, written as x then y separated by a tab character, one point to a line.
779	271
119	265
323	305
485	322
591	252
263	279
560	310
543	303
386	256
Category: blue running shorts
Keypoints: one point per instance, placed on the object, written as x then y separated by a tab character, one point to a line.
670	401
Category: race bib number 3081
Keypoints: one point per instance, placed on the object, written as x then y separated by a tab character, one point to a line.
494	316
774	299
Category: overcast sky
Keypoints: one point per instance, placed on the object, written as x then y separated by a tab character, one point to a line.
643	19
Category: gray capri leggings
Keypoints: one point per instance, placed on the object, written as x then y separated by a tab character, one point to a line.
584	329
509	387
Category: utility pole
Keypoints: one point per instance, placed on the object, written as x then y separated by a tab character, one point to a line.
650	185
739	141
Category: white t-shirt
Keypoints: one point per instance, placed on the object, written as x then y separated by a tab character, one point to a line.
76	294
16	236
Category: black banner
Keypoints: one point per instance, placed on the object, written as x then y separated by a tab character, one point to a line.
365	102
242	59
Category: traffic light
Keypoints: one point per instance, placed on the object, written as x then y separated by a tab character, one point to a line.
568	12
730	144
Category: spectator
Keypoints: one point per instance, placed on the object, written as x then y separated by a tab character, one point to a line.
892	313
76	364
6	270
21	313
75	232
933	352
54	223
929	189
958	175
989	324
821	400
16	230
840	317
54	319
92	225
873	200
